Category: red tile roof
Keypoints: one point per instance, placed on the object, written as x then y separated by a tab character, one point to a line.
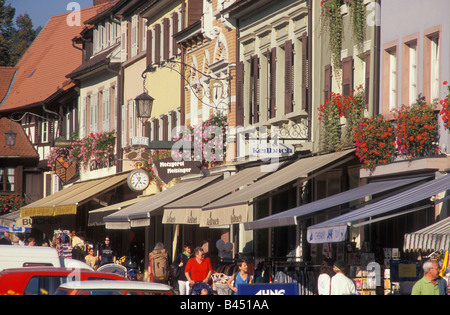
6	77
42	69
23	146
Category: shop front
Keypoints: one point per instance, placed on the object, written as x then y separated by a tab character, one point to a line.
146	216
370	238
54	219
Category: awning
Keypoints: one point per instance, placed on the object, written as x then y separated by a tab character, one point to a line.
432	238
66	201
188	210
300	170
138	215
323	232
9	219
290	217
96	216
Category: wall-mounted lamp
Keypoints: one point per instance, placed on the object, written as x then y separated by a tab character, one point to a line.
10	137
144	104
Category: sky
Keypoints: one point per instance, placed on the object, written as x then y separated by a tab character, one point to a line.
41	11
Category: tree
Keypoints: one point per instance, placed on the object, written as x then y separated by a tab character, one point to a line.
15	38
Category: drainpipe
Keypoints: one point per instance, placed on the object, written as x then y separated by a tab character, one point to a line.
377	56
182	96
119	87
310	65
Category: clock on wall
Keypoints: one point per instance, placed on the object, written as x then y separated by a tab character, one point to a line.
138	180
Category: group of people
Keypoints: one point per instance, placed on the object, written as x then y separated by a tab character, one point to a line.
333	281
192	267
5	239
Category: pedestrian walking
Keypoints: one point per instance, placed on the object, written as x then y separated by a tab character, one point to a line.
179	264
158	265
431	283
324	280
240	277
107	254
340	284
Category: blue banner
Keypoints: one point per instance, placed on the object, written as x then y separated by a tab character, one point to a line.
268	289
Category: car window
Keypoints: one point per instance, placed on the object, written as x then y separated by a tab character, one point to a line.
44	285
101	292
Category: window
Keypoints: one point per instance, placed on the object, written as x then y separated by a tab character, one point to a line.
392	80
435	58
412	49
7	176
44	285
106	109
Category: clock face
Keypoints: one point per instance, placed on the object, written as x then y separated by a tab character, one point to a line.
138	180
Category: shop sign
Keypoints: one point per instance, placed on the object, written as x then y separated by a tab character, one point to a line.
65	169
168	169
334	234
271	150
268	289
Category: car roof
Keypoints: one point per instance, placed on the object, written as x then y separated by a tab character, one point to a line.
8	250
47	270
115	285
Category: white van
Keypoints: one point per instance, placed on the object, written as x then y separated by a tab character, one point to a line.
30	256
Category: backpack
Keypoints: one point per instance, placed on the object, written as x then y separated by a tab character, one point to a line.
160	265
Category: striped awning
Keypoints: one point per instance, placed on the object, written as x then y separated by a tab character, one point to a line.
319	233
432	238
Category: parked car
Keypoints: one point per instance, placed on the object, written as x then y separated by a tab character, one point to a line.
31	256
114	288
45	280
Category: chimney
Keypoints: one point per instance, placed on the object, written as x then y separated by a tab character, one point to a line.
97	2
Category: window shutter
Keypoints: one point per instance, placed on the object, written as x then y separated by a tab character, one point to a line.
328	82
240	94
347	76
174	31
166	38
273	82
149	47
305	71
254	95
165	128
156	129
123	44
288	100
157	43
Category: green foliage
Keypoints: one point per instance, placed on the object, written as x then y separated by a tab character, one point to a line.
358	16
15	38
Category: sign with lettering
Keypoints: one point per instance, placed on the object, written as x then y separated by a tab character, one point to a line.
168	169
334	234
268	289
225	216
182	216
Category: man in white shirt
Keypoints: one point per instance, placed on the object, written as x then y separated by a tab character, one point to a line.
340	284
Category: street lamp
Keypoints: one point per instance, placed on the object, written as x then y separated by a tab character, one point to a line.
144	104
10	138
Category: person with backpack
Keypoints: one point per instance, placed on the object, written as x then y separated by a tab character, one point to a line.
158	265
198	269
240	277
179	264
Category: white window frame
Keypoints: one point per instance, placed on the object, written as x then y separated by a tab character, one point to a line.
412	72
393	79
435	65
